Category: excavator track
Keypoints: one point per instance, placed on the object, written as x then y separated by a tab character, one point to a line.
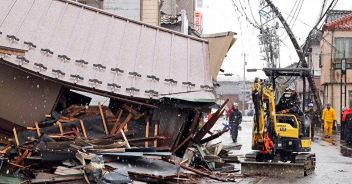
303	165
308	160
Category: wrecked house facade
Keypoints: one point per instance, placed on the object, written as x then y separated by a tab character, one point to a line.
152	75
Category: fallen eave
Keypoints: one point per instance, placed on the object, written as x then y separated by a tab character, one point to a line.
219	45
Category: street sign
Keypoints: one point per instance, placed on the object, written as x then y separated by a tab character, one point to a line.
265	15
198	21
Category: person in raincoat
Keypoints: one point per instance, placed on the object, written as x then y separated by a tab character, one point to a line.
329	118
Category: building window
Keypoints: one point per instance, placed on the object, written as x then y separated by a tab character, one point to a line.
343	48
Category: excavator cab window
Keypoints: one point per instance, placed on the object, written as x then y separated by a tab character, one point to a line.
287	119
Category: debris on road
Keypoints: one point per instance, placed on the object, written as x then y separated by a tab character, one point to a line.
92	144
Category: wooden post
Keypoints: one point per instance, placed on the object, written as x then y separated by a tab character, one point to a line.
16	137
155	134
60	127
117	122
124	123
37	128
146	134
103	118
83	128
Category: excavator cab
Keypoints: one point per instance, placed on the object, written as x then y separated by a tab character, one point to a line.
281	133
293	128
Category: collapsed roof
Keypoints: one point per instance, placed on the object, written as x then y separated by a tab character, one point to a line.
90	48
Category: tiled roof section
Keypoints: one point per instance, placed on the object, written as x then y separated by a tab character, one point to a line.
336	14
167	19
168	7
343	23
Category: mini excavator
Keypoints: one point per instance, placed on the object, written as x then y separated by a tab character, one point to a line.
281	135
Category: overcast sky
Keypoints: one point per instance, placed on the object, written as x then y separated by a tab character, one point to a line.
221	16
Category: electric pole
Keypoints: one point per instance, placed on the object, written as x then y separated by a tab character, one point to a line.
244	84
300	54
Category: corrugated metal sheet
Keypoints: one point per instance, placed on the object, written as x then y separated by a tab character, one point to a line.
92	48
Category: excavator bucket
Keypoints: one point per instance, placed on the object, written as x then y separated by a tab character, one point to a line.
277	169
303	165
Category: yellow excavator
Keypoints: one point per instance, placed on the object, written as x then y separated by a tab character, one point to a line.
281	135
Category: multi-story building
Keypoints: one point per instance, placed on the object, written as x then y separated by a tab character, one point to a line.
147	11
178	15
336	47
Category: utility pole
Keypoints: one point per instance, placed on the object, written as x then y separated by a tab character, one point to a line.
301	57
244	83
269	40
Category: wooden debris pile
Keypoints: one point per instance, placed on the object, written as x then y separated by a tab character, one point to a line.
91	144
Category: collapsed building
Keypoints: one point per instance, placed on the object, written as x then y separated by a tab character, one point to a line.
158	81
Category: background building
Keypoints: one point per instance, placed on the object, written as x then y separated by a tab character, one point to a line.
233	90
179	15
337	45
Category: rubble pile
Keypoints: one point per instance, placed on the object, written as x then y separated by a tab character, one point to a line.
91	144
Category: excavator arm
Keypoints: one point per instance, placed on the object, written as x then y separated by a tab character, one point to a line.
264	116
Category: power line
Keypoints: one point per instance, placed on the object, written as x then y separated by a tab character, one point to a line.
299	11
321	11
245	15
299	7
293	7
250	8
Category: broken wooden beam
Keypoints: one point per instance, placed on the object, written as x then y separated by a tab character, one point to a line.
202	173
214	136
60	127
37	129
103	118
83	128
205	129
146	139
16	136
5	149
124	123
117	122
136	114
187	140
12	51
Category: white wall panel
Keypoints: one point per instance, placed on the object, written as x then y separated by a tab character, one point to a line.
97	38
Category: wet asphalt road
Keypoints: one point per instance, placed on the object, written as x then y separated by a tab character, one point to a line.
334	160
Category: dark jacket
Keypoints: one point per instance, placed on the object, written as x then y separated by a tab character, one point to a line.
235	116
